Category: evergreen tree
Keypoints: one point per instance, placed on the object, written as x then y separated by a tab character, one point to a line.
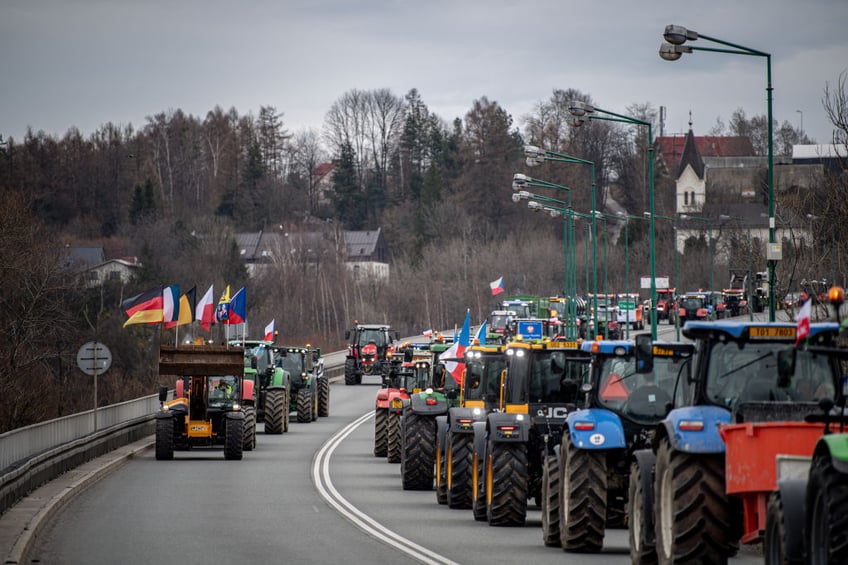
347	198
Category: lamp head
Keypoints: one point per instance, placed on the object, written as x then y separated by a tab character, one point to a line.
579	108
533	205
520	179
671	52
555	213
516	197
577	121
678	35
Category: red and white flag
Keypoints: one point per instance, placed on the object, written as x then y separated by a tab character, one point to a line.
205	311
457	351
428	333
497	286
269	331
803	320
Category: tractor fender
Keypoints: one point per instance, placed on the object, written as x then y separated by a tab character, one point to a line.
646	459
441	432
793	493
834	446
418	403
234	415
480	437
247	391
458	413
382	398
505	427
704	440
280	379
164	415
606	431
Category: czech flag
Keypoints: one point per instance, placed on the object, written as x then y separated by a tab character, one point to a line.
205	311
480	338
144	308
497	286
457	351
269	331
237	311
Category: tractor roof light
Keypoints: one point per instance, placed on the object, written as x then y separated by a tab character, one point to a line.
836	295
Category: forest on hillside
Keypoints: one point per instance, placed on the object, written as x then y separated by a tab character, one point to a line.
175	191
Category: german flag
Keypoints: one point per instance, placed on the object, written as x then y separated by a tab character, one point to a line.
145	308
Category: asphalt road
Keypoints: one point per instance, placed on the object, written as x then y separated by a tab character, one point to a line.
314	495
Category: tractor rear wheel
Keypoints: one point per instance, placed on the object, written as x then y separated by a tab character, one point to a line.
249	428
164	439
287	410
478	490
381	417
393	447
774	547
275	408
350	371
234	439
827	498
315	402
418	451
459	469
694	517
550	501
506	484
441	476
643	547
582	498
304	405
323	397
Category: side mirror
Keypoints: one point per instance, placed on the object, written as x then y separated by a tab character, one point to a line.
315	355
163	393
786	360
451	393
347	335
644	353
253	364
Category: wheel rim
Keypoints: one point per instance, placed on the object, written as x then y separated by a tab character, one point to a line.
666	518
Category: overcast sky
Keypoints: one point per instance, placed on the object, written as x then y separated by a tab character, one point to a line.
83	63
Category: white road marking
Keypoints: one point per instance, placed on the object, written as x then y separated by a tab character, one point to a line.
324	483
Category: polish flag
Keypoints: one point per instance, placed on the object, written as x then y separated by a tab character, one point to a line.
205	312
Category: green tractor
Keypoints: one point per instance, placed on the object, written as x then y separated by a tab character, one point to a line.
272	384
310	389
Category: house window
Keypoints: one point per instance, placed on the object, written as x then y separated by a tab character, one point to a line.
93	276
114	275
686	199
356	272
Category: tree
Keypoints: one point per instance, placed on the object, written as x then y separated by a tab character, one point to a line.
307	154
272	139
348	198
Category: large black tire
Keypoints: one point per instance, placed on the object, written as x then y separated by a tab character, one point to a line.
550	501
418	451
643	550
458	470
276	408
249	428
774	546
506	484
827	518
582	498
381	438
323	397
393	439
164	439
234	439
441	476
478	492
304	405
315	402
350	372
694	519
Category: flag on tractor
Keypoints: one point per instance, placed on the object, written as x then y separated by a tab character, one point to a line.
205	311
144	308
480	338
803	321
497	286
187	306
222	312
457	350
269	331
171	303
237	311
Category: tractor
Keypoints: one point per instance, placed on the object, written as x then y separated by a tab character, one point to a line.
704	483
665	304
513	446
622	403
310	389
478	395
693	306
368	346
272	385
207	408
388	404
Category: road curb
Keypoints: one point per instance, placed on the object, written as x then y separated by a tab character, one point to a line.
29	520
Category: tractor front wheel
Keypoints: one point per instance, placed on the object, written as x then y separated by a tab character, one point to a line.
323	397
304	405
164	439
459	470
350	371
583	498
393	439
550	501
249	428
234	440
478	490
275	409
506	484
381	417
827	499
641	525
418	448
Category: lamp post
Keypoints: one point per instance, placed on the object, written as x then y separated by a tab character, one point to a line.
676	268
583	111
535	156
676	36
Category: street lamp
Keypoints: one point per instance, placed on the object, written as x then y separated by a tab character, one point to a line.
583	111
676	36
536	156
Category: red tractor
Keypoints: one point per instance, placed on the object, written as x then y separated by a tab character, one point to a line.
368	351
665	300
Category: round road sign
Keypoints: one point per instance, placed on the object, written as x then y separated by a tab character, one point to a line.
94	358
